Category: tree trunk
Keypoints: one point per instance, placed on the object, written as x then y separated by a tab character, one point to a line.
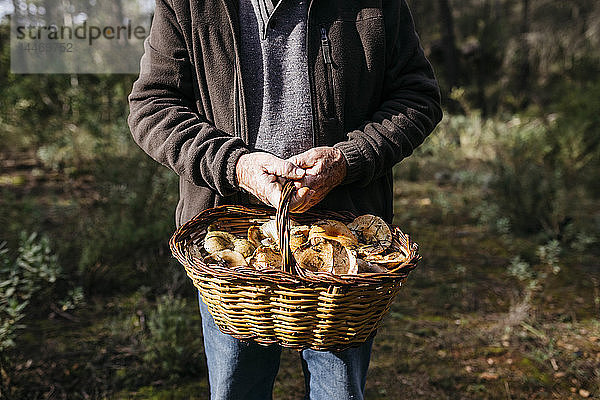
449	43
524	69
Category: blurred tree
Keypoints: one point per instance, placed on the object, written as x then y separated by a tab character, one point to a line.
510	53
524	69
505	54
449	43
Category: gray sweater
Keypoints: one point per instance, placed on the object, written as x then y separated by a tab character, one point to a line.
275	75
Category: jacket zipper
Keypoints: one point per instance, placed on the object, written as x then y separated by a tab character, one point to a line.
239	103
311	78
326	50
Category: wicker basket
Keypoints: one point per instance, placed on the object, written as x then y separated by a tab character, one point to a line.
293	307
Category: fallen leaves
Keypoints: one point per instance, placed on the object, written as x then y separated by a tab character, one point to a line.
584	393
489	376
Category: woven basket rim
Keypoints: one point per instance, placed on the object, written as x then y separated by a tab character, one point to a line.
182	238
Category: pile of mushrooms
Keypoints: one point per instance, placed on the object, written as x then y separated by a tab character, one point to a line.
363	245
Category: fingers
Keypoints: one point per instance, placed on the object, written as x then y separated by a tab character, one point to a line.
306	159
270	190
300	199
297	161
273	196
283	169
264	175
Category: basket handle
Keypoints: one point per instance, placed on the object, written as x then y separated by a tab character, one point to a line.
283	227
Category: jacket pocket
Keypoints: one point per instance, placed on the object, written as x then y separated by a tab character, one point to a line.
326	51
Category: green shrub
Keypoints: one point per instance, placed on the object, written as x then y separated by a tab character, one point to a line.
546	169
174	342
133	218
31	274
528	188
575	139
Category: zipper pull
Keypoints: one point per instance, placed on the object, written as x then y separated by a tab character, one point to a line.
325	46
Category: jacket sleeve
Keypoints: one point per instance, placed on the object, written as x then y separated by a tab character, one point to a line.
410	107
163	119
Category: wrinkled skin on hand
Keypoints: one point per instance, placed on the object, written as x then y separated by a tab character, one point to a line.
325	168
263	174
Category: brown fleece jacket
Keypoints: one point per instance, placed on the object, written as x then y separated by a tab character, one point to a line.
374	96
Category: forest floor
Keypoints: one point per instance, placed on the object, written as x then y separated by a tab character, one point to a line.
461	328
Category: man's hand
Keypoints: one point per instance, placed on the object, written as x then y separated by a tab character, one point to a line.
325	169
262	174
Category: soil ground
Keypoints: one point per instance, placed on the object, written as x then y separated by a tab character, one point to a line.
461	328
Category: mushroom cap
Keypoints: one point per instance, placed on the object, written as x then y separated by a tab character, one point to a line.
266	257
217	241
327	256
344	260
244	247
388	261
269	230
298	236
194	250
223	234
230	257
365	266
315	258
254	235
332	230
373	233
309	259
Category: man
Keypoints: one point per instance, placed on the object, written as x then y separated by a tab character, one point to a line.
237	96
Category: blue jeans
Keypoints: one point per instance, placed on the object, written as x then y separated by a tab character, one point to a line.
246	370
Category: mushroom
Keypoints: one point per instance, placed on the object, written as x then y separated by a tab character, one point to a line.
269	231
230	257
244	247
218	240
254	235
373	233
365	266
388	261
298	236
327	256
332	230
344	260
265	257
316	257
